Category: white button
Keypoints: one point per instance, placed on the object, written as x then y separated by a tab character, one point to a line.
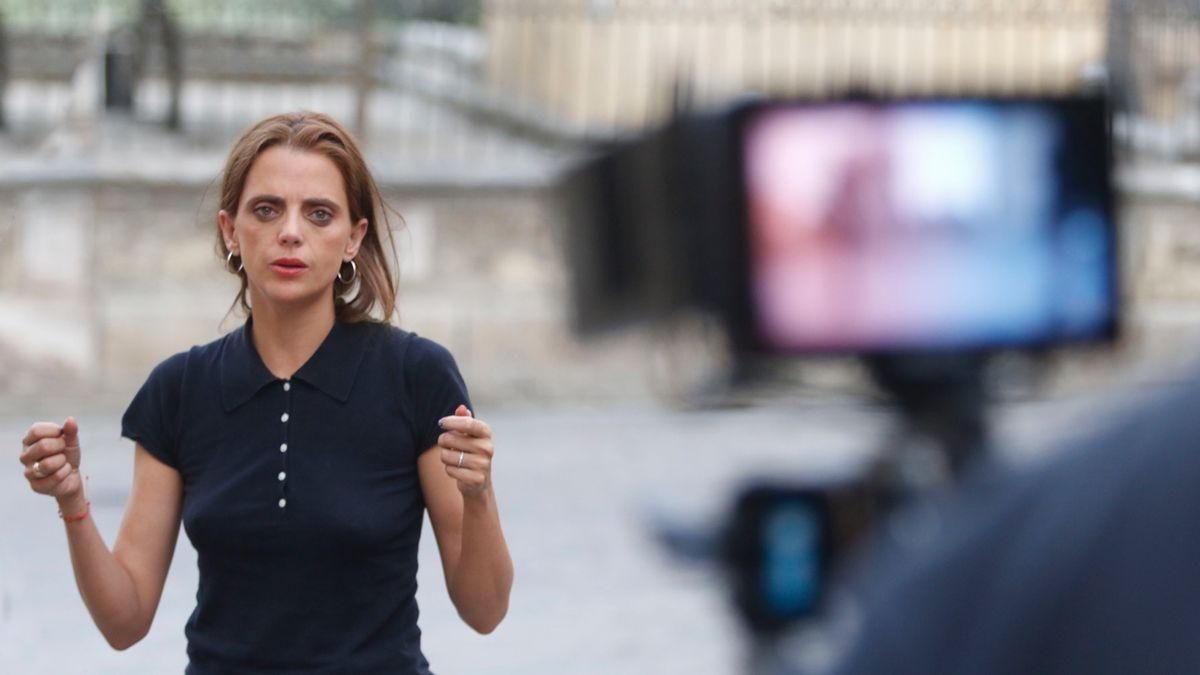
282	475
283	447
284	418
287	386
282	503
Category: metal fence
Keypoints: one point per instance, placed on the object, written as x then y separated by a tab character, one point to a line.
458	82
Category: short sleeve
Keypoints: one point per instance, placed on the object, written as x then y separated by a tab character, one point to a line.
150	417
435	388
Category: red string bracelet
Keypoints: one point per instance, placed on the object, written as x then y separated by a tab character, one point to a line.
87	509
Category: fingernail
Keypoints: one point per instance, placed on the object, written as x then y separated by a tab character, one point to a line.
442	423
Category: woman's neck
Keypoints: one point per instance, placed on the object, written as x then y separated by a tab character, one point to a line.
286	337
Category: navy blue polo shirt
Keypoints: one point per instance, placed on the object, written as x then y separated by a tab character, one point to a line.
302	496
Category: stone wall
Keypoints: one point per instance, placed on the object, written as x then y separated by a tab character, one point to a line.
1162	271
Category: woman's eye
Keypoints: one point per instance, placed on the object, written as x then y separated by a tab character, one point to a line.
321	215
264	211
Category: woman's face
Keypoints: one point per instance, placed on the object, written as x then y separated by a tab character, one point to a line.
292	228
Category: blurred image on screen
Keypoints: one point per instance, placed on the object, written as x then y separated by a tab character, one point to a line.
925	224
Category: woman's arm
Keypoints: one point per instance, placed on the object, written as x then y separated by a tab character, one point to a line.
466	522
121	588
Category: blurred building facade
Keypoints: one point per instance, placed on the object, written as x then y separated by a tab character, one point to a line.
117	115
625	63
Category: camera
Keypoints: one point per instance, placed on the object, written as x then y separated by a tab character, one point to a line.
919	234
856	225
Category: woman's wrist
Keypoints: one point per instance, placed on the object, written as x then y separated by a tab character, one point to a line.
73	503
480	500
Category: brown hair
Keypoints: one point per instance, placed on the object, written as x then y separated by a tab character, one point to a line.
315	132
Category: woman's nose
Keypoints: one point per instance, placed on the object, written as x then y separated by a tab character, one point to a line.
290	232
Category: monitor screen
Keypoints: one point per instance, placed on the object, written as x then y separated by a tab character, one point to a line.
928	224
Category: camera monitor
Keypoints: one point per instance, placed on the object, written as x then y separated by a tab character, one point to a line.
874	226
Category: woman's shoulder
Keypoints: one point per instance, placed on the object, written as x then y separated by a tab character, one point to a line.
198	356
424	352
409	346
170	369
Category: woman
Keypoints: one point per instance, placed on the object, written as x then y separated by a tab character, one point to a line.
299	451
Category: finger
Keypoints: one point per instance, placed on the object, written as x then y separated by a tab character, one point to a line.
462	411
45	467
38	473
456	458
466	460
469	444
467	477
39	431
42	449
70	433
49	483
454	441
466	425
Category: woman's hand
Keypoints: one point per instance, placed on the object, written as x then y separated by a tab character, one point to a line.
467	450
50	454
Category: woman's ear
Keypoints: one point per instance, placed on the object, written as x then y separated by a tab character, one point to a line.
227	231
356	237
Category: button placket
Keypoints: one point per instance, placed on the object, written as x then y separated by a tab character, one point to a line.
283	443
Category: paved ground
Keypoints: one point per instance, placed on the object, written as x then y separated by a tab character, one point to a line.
592	594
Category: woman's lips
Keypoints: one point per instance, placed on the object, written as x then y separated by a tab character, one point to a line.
288	270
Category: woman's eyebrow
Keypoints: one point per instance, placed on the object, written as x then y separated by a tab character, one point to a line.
327	203
273	200
277	201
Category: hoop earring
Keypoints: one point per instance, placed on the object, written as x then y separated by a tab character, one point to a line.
353	274
240	266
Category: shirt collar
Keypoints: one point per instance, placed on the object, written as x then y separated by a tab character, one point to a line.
331	369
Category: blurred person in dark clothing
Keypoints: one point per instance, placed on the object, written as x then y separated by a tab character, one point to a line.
1086	563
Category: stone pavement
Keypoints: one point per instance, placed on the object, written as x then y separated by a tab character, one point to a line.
592	592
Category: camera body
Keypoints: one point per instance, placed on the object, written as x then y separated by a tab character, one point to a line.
856	225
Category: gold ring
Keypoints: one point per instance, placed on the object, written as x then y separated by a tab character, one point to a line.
461	455
37	469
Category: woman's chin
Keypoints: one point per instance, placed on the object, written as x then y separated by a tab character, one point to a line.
294	295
